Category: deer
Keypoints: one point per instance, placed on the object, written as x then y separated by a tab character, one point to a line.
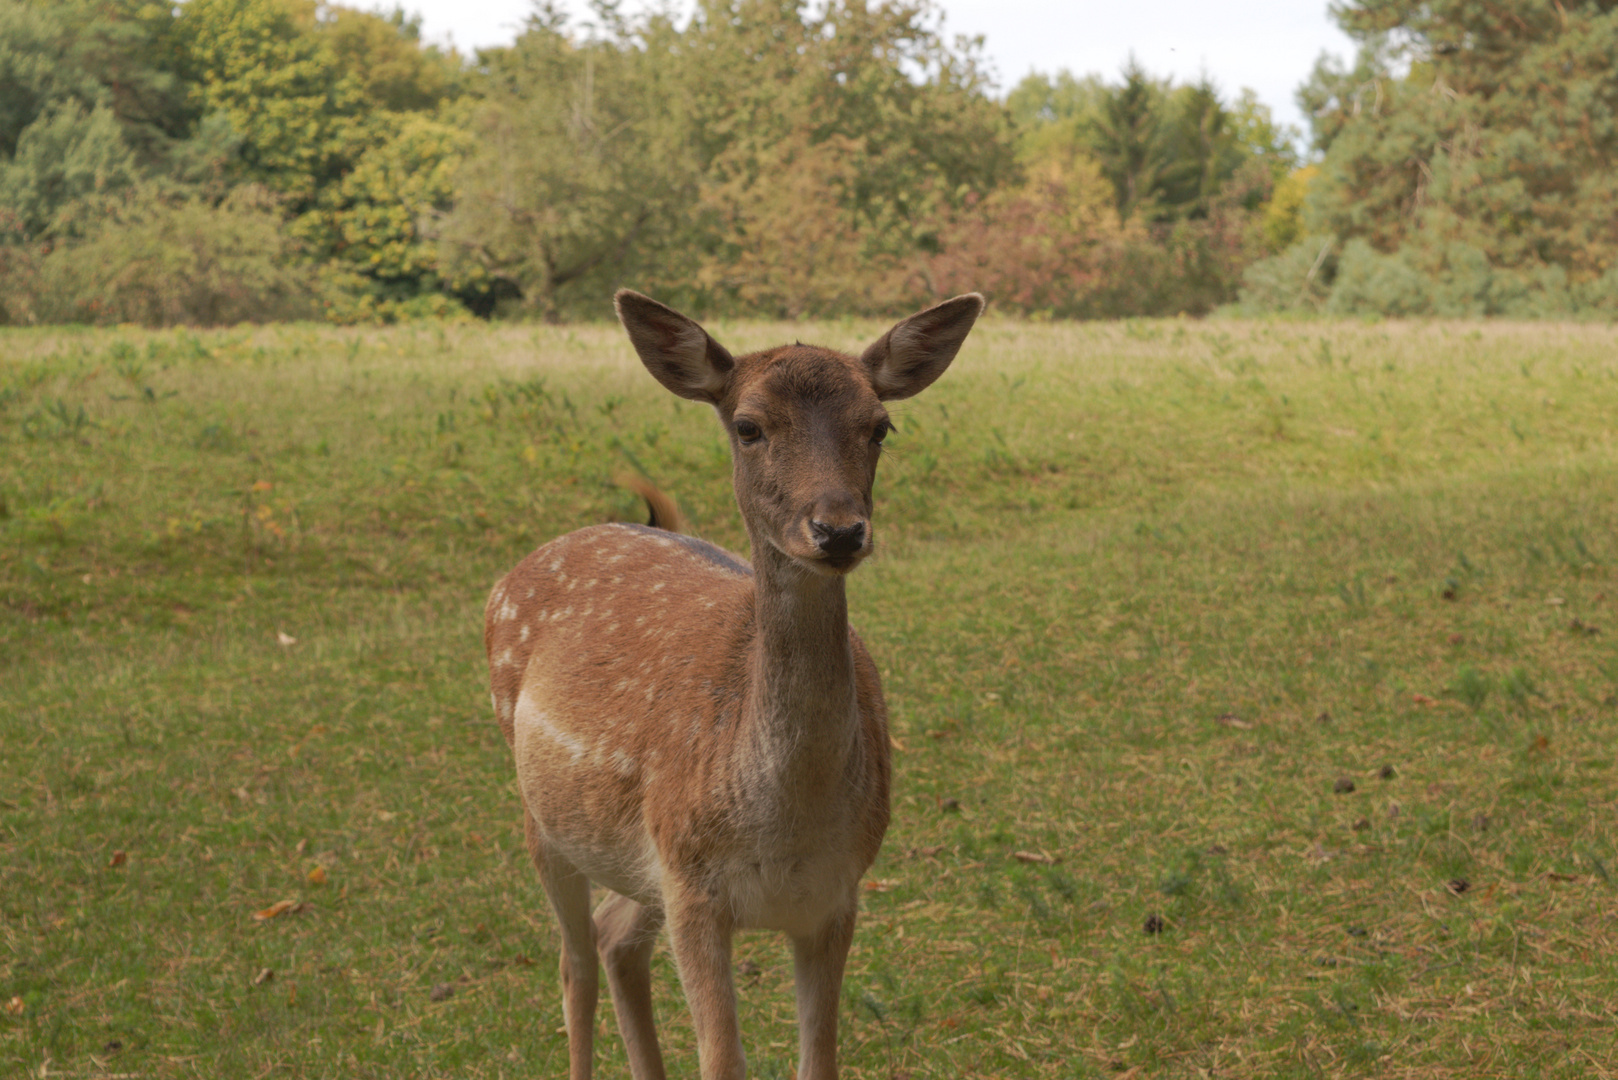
701	735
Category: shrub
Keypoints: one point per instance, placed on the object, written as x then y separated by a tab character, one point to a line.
158	260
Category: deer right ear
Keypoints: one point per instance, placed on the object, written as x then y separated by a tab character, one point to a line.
907	359
677	351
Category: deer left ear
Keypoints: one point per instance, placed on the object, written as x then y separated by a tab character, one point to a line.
907	359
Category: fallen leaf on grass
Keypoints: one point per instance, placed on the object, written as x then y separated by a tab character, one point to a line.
118	858
442	992
15	1006
895	743
280	907
1034	857
875	885
1423	699
264	976
317	876
1231	720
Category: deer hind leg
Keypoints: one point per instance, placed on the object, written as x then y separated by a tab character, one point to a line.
569	894
625	934
699	935
817	970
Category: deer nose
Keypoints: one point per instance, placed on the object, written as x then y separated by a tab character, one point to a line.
838	540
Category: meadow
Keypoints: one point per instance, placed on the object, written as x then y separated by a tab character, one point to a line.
1253	684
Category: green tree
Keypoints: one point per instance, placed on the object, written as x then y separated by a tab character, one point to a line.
707	160
90	102
1126	138
1482	178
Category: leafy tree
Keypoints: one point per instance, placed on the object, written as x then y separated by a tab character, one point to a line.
667	154
581	164
896	126
1486	172
89	103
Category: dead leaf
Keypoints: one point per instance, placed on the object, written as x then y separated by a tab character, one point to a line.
1231	720
286	639
930	851
317	876
1039	857
1555	601
264	976
1423	699
118	858
895	743
262	485
280	907
442	992
875	885
15	1006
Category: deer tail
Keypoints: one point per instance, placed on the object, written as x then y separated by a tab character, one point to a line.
662	513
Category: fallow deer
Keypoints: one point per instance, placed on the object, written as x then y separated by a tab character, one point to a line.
703	737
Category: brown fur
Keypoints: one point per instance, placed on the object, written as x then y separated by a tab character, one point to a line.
705	738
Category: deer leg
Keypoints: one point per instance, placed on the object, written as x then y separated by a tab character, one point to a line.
569	894
817	971
699	935
625	934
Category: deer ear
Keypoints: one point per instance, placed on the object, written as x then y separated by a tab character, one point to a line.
677	351
907	359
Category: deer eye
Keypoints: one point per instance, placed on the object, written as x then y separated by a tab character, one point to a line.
748	432
880	432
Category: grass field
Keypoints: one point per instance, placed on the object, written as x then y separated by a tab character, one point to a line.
1292	642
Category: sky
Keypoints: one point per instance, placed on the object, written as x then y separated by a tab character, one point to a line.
1267	45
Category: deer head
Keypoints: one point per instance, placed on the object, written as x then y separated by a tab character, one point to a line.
806	424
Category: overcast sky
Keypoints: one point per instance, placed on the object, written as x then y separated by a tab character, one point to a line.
1268	45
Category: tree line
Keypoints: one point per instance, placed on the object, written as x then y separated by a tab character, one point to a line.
230	160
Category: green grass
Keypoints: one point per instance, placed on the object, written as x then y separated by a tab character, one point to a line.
1147	594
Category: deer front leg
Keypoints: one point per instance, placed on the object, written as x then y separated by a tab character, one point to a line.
699	935
817	971
569	894
625	934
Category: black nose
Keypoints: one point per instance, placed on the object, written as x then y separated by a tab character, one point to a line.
838	540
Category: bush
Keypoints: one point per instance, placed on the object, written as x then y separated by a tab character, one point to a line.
159	260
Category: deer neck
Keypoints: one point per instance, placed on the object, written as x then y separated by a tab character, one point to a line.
803	689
